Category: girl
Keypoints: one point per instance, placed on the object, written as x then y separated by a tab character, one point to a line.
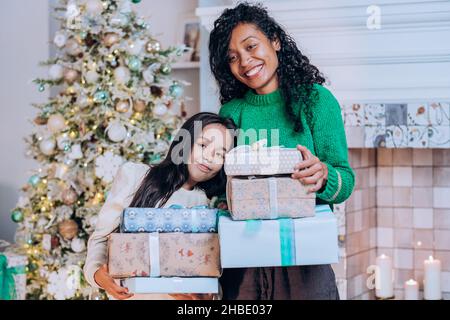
266	83
191	174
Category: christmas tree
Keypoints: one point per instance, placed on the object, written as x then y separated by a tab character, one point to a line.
115	102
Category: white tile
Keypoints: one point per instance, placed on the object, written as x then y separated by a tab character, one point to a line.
404	258
385	237
402	176
441	197
423	218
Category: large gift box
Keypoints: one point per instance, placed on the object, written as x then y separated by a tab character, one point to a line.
245	160
171	285
268	198
13	278
280	242
173	219
163	254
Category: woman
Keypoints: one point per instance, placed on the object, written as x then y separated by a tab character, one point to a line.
266	84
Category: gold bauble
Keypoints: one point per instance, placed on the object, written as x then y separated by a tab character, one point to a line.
70	76
68	229
40	120
139	106
153	46
122	106
69	196
111	39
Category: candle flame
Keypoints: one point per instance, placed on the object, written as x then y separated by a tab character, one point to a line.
431	258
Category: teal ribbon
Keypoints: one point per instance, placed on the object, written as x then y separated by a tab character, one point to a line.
287	242
7	284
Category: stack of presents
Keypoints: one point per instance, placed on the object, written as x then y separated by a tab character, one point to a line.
271	221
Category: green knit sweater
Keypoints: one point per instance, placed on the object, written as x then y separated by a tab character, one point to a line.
323	135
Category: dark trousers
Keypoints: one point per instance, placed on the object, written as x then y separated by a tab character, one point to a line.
280	283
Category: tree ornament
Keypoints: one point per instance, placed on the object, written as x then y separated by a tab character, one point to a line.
139	106
68	229
72	47
34	180
122	106
60	39
153	46
94	7
122	75
111	39
176	90
41	88
39	120
56	72
78	245
160	109
56	123
69	196
91	77
116	132
47	146
70	76
17	216
134	63
165	69
101	96
135	1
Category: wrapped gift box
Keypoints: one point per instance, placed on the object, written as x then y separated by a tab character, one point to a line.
281	242
245	160
170	219
13	278
268	198
163	254
171	285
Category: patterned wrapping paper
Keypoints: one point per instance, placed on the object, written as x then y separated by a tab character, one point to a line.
269	198
187	220
245	160
15	263
179	255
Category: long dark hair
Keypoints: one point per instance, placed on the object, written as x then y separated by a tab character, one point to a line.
163	179
296	75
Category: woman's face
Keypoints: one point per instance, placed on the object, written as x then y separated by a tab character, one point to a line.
253	58
208	152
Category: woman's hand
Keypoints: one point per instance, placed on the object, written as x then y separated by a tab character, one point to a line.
105	281
311	170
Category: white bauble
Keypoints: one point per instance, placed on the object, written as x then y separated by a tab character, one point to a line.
117	132
136	47
60	39
75	152
72	47
78	245
91	77
94	7
47	146
56	123
70	76
122	75
56	72
82	101
160	109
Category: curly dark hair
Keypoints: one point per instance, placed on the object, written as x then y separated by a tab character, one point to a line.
295	73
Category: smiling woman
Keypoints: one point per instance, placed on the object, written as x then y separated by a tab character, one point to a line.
267	85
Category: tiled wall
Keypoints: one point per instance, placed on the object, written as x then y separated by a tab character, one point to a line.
400	207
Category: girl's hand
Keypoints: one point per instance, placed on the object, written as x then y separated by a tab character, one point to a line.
192	296
311	170
105	281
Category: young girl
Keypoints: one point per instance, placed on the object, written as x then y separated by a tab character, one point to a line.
191	174
266	83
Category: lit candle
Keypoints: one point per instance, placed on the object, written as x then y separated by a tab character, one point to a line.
384	280
411	290
432	279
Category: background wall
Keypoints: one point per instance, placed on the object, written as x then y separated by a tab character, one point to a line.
26	29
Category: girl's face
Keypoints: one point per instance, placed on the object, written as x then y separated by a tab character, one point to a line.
208	152
253	58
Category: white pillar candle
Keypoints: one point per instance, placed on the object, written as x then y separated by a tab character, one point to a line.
432	279
411	290
384	280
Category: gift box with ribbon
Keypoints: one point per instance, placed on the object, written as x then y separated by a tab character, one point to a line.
12	273
280	242
268	198
163	255
257	159
175	218
171	285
